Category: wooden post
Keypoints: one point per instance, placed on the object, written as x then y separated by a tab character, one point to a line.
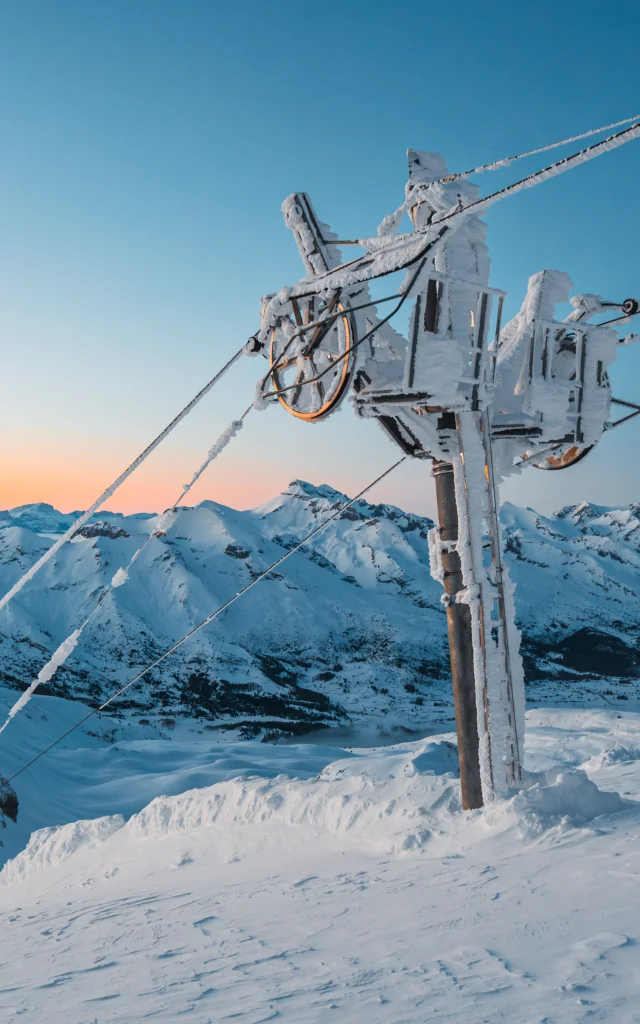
460	643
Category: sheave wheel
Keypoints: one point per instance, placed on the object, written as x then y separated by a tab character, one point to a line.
311	371
568	458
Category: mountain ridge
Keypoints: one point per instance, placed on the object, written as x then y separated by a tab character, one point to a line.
352	626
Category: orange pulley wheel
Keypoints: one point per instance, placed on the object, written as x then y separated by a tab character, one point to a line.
311	369
568	458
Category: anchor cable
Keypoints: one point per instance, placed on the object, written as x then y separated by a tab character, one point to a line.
506	161
322	282
81	520
121	576
209	618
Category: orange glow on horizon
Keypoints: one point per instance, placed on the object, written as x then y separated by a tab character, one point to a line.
71	472
71	488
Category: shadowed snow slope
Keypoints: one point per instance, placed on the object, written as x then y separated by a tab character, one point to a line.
350	627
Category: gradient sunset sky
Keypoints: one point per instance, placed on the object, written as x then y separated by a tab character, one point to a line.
147	146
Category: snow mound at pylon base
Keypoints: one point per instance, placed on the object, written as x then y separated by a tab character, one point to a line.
308	883
392	800
396	803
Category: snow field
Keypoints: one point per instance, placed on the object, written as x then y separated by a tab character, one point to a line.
355	892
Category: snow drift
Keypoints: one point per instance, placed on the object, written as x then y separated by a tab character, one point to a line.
394	801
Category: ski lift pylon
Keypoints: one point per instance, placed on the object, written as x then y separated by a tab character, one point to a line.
461	390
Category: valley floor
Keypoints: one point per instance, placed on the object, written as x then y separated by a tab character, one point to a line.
356	892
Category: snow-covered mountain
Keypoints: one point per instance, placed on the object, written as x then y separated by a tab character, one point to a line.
578	586
352	625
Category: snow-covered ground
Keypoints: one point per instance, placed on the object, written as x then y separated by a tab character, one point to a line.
304	883
163	867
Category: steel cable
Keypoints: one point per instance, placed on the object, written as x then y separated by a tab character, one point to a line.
210	617
60	655
81	520
506	161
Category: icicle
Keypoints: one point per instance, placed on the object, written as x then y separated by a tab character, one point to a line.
437	547
390	224
260	401
435	554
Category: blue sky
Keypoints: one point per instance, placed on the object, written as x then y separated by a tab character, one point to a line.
147	147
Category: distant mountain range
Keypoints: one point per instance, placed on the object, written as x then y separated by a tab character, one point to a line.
352	627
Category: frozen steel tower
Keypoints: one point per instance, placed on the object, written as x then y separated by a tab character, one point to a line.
477	399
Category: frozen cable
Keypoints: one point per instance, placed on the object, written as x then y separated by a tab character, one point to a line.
212	616
551	171
363	268
497	164
30	573
214	451
120	577
46	673
390	223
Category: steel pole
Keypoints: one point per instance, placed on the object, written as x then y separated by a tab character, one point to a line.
460	642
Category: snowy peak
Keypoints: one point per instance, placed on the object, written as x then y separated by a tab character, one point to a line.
41	517
303	489
351	625
339	631
310	502
605	521
582	512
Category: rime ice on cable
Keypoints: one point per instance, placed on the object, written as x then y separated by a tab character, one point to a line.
479	399
162	524
45	674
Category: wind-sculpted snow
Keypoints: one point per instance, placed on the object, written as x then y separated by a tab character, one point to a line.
304	884
51	846
393	800
353	626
